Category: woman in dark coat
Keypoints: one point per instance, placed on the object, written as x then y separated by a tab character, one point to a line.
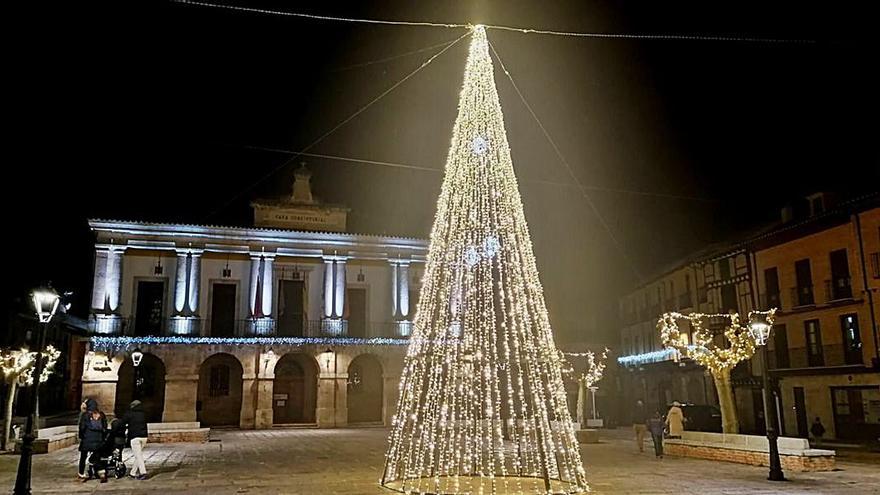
91	434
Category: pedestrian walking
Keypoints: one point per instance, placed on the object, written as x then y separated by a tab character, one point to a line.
640	418
656	425
675	420
818	430
92	424
136	421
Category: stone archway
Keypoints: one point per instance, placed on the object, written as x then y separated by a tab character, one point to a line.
295	389
365	384
150	389
220	391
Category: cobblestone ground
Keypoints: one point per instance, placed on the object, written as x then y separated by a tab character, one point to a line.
349	461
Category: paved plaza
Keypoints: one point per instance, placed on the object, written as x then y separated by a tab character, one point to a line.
349	461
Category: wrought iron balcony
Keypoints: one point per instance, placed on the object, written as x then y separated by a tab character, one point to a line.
838	289
802	295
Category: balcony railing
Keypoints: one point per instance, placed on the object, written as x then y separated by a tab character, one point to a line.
772	300
831	355
838	289
803	295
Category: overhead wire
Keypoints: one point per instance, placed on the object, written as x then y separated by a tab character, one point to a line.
562	160
348	119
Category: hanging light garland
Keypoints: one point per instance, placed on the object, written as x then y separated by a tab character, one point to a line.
740	341
594	369
117	344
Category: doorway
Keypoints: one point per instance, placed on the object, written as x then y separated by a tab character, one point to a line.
800	411
149	308
295	390
220	391
291	308
856	412
146	384
357	312
222	310
365	390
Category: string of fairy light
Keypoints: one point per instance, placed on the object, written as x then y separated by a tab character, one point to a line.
17	363
482	366
739	341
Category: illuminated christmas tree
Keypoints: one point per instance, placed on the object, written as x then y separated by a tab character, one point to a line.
482	404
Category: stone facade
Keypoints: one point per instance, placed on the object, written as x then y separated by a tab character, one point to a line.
257	404
215	309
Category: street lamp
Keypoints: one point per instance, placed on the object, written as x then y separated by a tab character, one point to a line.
46	302
136	357
760	326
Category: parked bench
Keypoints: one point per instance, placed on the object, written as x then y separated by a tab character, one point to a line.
795	454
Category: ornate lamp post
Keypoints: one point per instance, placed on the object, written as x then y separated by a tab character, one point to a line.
136	357
760	327
46	302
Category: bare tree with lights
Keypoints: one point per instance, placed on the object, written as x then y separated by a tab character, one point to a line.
719	357
587	380
482	406
18	370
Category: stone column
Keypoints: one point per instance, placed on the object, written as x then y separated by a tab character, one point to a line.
395	309
113	280
403	285
195	281
339	300
180	283
99	291
181	392
268	277
328	288
254	306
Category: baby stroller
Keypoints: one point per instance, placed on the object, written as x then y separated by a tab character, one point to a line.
107	460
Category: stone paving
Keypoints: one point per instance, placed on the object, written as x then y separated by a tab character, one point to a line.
349	461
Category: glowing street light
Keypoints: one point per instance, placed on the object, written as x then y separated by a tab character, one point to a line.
46	301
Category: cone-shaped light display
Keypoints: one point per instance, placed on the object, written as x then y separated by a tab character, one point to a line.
482	407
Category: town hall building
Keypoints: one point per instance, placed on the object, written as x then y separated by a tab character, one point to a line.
292	321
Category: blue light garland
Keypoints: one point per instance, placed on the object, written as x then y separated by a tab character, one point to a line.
116	344
647	357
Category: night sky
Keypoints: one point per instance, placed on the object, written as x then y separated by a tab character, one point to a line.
153	112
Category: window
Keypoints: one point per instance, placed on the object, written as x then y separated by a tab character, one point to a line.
771	285
780	346
219	383
840	287
804	292
724	269
815	356
852	340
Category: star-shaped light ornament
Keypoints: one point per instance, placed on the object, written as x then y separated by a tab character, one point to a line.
480	146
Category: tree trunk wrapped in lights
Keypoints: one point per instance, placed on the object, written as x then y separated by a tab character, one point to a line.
482	404
738	345
18	369
593	372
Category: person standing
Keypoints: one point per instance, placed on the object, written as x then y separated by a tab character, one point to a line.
136	421
656	425
818	430
92	424
639	423
675	420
